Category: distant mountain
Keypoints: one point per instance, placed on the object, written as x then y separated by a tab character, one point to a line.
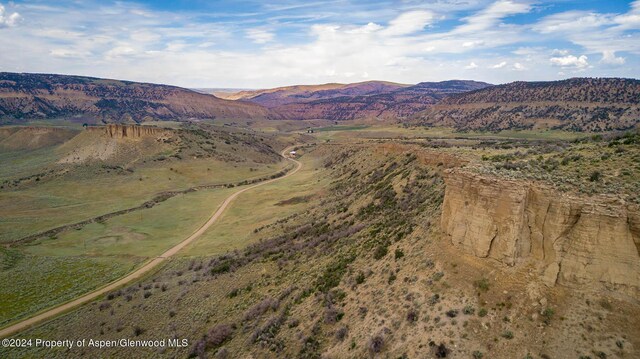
385	102
26	96
577	104
306	93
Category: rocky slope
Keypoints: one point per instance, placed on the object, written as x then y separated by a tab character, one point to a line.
572	240
27	96
578	104
400	102
304	93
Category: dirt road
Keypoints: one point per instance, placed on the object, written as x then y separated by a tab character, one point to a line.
22	325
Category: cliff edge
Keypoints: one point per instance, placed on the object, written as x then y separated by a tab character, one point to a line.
573	240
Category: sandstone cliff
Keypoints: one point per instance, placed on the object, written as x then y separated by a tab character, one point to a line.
129	131
572	240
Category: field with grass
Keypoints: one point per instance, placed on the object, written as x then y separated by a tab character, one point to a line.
257	211
39	193
361	270
31	283
54	186
399	131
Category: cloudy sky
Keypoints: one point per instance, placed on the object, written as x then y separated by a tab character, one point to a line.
257	44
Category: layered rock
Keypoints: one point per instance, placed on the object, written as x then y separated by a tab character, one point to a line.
129	131
574	240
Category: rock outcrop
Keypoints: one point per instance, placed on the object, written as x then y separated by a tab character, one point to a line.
573	240
129	131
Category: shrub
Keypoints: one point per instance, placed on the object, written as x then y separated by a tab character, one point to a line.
482	284
595	176
482	312
376	344
341	333
469	310
452	313
392	278
442	351
507	334
412	316
333	274
477	354
360	278
147	294
218	335
380	252
198	349
332	315
222	267
260	308
399	253
547	315
137	331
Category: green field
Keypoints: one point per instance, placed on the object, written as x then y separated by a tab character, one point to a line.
75	198
35	283
260	207
346	132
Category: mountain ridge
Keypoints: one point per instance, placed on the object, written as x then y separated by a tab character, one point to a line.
576	104
24	95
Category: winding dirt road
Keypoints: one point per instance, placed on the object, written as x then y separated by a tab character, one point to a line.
145	269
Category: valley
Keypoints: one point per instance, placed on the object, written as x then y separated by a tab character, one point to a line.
340	237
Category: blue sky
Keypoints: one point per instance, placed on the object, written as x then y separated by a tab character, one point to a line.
258	44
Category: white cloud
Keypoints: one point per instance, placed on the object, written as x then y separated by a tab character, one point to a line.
409	23
68	53
492	15
129	41
259	36
630	20
610	58
499	65
572	21
570	61
8	20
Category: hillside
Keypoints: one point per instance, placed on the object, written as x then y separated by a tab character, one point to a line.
305	93
28	96
399	102
578	104
398	251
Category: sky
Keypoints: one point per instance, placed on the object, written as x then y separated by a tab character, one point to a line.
262	44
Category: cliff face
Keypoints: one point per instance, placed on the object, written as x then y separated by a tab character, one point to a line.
129	131
573	240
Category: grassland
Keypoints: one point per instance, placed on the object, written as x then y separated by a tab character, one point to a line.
346	132
75	198
40	193
359	270
251	213
33	283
